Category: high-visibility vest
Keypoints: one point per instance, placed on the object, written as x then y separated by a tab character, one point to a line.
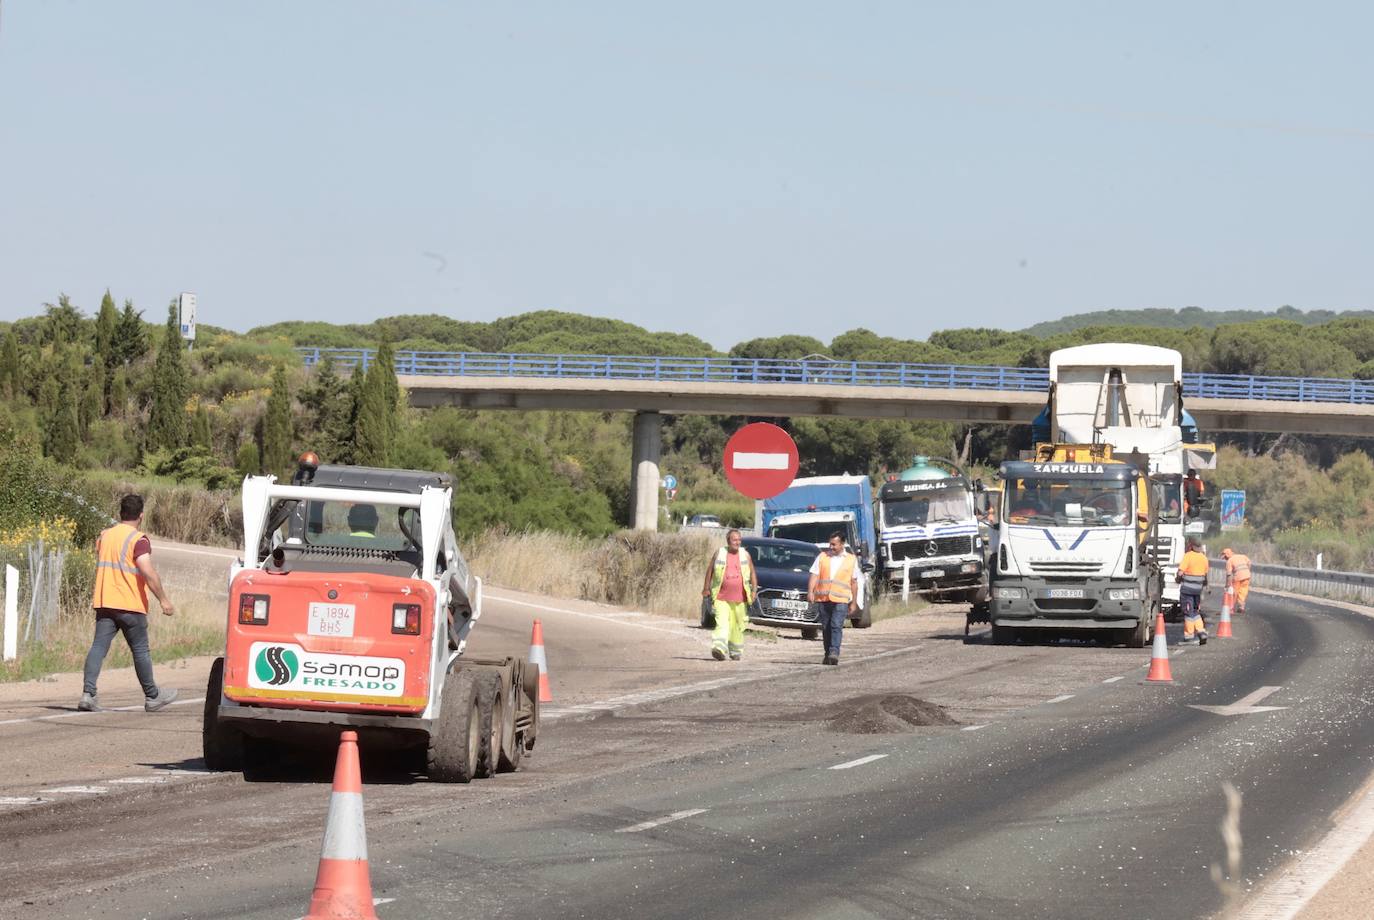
1238	567
833	584
1193	568
745	567
119	585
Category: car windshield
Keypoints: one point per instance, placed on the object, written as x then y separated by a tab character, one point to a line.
817	532
946	505
360	525
773	556
1068	502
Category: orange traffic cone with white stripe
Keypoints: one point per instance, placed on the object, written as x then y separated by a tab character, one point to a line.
1159	654
537	657
1224	625
343	887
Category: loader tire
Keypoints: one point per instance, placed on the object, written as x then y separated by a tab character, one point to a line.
492	704
221	744
455	747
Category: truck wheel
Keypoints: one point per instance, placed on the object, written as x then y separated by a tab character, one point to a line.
865	618
1140	636
221	744
492	705
456	744
1003	635
531	687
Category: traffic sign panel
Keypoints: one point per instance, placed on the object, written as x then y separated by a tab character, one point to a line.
670	482
760	460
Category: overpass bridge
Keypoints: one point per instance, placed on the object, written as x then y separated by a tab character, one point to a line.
650	386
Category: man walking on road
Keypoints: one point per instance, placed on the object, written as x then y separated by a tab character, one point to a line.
834	587
731	584
1192	579
1237	576
123	574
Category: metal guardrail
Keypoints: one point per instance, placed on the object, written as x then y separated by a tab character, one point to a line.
1355	587
819	371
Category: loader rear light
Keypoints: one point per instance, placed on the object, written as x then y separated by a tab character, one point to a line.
405	619
253	609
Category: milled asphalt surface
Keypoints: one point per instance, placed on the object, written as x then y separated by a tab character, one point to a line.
1106	803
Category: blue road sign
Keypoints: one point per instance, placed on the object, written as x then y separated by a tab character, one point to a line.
1232	509
670	482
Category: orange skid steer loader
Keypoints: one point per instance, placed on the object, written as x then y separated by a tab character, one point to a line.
351	608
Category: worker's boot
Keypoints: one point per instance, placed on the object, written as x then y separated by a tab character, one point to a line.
164	698
88	703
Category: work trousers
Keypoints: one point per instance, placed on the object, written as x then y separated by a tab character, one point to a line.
1242	592
1192	614
833	615
134	626
731	618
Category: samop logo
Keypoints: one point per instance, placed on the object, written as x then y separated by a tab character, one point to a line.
276	666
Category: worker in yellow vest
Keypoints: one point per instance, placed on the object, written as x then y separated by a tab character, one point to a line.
123	575
731	585
1192	582
1237	575
834	587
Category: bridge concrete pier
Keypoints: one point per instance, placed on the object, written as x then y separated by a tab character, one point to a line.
645	451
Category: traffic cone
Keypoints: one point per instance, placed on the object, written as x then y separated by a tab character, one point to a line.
343	888
537	657
1159	654
1228	603
1224	624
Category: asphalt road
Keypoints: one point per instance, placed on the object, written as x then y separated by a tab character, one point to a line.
1066	788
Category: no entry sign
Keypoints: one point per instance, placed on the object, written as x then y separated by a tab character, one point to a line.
760	460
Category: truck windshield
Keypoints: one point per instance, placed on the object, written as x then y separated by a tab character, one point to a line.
949	505
360	525
1168	500
817	532
1068	502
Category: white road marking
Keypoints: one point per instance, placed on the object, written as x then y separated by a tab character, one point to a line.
76	715
1112	680
138	780
77	790
858	763
619	620
19	800
1245	705
1060	699
1290	891
745	460
972	728
227	554
658	822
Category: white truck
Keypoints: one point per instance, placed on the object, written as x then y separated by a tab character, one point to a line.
928	533
1131	397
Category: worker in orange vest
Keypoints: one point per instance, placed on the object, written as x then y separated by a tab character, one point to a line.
1193	490
834	587
123	574
1237	575
1192	581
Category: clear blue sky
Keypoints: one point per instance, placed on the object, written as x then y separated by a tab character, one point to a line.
726	169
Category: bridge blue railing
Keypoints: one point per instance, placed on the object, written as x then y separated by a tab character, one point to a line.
819	371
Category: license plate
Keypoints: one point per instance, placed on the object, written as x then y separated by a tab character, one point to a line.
331	620
932	573
781	604
1065	592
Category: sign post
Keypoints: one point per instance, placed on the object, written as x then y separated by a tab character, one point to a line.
760	460
11	613
1232	509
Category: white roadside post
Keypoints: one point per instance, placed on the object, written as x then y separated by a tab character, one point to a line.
11	613
906	583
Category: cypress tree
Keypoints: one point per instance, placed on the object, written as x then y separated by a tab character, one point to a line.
375	431
248	462
106	323
11	370
130	339
330	410
276	430
62	432
167	422
353	403
201	433
119	393
92	399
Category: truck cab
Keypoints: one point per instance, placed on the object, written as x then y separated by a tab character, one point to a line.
929	535
1070	552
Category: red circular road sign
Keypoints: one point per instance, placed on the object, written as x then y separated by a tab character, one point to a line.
760	460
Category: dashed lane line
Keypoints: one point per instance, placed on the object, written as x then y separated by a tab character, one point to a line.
659	822
77	790
1061	698
78	715
972	728
1112	680
858	763
19	800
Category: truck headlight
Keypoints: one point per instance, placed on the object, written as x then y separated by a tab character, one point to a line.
1123	594
1008	593
968	567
